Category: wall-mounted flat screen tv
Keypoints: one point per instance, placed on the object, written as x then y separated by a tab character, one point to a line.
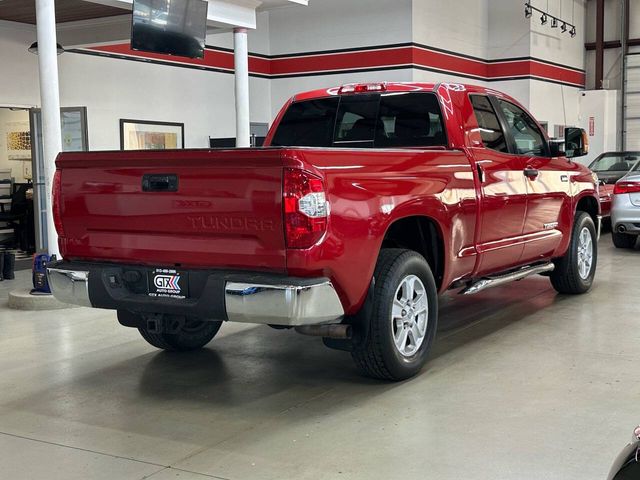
174	27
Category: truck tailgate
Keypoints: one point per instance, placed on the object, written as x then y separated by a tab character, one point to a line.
192	208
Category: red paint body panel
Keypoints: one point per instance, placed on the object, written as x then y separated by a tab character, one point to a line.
606	194
227	212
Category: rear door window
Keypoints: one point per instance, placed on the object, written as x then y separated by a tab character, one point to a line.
490	129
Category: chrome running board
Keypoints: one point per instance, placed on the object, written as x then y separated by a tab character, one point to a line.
490	282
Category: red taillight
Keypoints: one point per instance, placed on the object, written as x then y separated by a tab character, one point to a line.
362	88
56	203
626	187
305	208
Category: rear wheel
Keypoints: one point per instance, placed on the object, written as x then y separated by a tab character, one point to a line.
574	273
402	326
192	334
623	240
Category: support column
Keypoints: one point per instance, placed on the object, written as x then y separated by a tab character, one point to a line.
241	62
599	44
50	99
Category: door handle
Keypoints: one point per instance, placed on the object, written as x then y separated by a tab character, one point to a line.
160	183
531	173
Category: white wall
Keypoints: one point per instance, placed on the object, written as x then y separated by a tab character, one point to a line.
462	26
19	78
336	24
601	105
555	104
509	30
553	45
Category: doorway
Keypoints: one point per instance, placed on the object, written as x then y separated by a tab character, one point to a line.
17	225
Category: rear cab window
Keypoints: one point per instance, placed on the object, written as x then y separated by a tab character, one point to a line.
398	119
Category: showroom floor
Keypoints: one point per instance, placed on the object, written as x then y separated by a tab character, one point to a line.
523	384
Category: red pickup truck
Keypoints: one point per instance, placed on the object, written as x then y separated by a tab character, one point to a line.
366	202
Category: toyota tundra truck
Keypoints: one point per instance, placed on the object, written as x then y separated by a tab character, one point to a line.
366	202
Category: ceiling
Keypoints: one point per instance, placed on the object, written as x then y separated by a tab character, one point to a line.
24	11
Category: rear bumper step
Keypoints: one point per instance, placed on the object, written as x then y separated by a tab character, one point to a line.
216	295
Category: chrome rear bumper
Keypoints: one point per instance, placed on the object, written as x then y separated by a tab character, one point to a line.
290	305
69	286
271	300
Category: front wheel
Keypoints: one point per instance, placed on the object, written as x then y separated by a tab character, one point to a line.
192	334
574	273
404	317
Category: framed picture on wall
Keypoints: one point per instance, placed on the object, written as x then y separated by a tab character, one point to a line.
148	135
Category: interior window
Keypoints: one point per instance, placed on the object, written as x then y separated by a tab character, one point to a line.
490	129
528	137
307	124
410	120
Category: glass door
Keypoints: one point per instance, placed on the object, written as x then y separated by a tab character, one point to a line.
73	121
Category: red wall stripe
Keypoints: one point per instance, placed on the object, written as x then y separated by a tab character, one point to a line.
383	57
450	63
342	61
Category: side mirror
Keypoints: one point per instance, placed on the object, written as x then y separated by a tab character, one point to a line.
576	142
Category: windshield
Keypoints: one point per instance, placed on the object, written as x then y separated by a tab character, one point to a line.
615	162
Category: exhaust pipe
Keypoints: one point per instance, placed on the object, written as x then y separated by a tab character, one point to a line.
622	229
340	332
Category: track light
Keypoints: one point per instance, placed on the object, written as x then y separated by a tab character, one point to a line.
527	10
545	16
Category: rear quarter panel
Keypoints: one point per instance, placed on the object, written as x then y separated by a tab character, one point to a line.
370	189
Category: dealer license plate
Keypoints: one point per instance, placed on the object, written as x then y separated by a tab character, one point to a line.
166	282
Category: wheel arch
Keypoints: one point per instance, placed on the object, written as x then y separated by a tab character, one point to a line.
421	234
590	205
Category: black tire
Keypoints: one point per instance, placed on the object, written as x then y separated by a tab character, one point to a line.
623	240
377	355
566	277
194	334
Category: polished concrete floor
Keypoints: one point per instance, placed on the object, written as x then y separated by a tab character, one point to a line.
523	384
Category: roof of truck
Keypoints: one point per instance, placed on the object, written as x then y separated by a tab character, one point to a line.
381	87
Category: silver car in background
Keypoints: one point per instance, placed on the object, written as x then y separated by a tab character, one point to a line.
625	210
